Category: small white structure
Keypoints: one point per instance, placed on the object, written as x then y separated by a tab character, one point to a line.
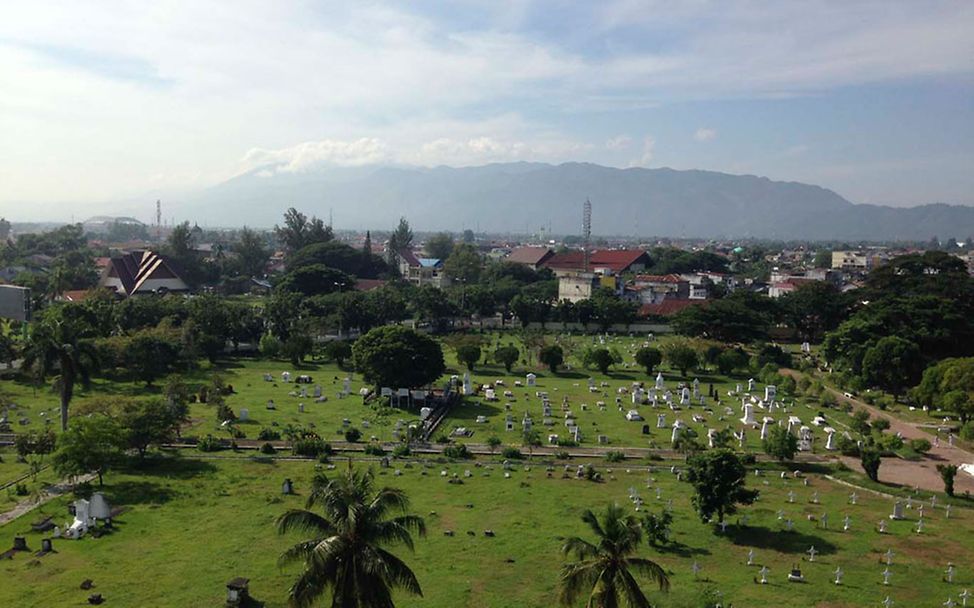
748	418
677	428
660	383
661	421
633	416
897	511
764	427
467	384
805	439
750	385
830	441
770	392
531	379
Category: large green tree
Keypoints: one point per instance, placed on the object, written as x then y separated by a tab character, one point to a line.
892	364
59	343
439	246
604	570
718	479
92	444
395	356
948	384
351	524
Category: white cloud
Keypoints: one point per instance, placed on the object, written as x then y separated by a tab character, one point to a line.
649	151
704	134
313	154
618	143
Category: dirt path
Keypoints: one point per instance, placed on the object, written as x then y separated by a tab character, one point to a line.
922	473
49	493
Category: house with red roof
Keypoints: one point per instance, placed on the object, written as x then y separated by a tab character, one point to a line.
601	261
532	257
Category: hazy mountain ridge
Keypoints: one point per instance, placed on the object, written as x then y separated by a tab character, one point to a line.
519	197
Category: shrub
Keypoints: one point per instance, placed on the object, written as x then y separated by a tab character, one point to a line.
310	446
870	460
947	473
457	451
269	435
967	432
374	449
657	528
267	448
443	438
920	446
749	460
512	453
20	489
562	455
615	456
591	474
209	444
880	424
352	435
401	451
567	443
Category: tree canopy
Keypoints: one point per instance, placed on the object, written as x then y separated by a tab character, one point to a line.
394	356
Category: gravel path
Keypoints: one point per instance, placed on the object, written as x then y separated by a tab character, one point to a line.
49	493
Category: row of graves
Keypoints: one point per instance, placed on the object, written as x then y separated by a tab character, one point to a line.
686	403
809	517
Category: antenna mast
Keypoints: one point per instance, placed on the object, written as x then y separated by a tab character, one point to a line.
586	230
158	219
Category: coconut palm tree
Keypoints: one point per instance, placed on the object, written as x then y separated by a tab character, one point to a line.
604	570
346	553
57	344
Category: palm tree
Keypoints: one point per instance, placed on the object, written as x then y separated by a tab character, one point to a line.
604	570
56	343
346	551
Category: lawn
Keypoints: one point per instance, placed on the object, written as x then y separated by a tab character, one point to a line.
195	523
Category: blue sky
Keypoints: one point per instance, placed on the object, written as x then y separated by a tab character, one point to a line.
125	101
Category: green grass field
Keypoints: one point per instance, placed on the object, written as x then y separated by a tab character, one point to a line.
194	524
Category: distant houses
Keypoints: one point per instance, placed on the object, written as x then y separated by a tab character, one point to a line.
421	271
141	272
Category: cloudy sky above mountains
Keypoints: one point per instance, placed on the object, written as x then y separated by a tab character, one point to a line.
112	101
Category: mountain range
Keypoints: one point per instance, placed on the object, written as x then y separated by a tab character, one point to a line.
522	197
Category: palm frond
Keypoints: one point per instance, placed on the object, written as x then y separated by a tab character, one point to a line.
304	521
651	570
635	597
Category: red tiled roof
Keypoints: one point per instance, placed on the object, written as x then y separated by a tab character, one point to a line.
409	257
617	260
368	284
530	255
658	278
667	308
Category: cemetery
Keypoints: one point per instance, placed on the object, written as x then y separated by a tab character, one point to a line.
495	525
526	508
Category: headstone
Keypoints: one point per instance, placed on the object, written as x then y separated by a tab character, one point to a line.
749	415
661	421
244	415
660	383
889	557
812	553
838	575
531	379
886	576
287	488
897	510
764	575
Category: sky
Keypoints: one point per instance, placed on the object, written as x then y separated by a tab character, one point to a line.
102	102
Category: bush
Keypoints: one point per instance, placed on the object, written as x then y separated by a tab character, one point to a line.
457	451
615	456
443	438
20	489
269	435
562	455
880	424
920	446
309	446
567	443
270	346
374	449
967	432
401	451
352	435
512	453
657	528
209	444
267	448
